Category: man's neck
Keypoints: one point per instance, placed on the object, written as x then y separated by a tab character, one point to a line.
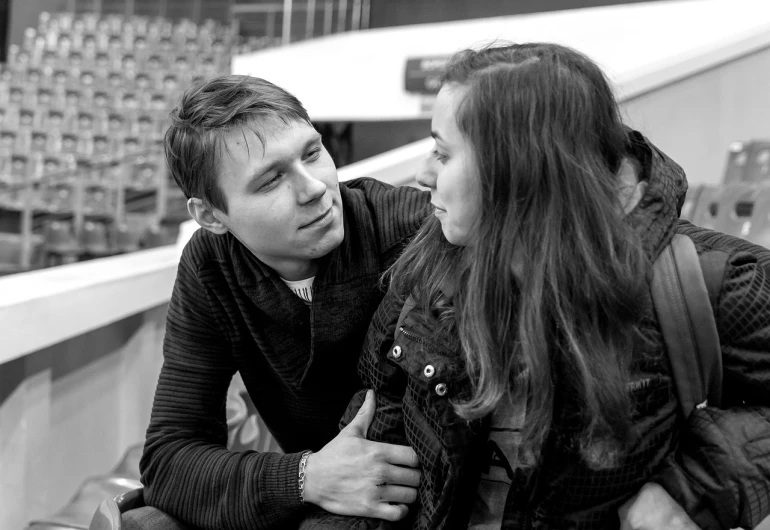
293	270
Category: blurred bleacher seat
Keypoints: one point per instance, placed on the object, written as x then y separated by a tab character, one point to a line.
740	205
84	102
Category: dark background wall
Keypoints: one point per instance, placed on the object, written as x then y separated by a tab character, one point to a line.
5	12
17	15
386	13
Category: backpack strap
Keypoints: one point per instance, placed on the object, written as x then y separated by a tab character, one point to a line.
712	264
684	309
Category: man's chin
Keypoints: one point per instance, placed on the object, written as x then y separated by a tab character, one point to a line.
331	238
335	237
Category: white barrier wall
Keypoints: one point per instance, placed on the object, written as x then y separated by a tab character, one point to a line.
695	119
360	76
81	354
69	411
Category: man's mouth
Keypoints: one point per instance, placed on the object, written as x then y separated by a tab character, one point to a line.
318	219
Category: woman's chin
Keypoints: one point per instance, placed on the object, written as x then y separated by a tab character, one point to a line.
459	240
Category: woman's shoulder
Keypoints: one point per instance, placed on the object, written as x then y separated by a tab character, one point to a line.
739	251
742	305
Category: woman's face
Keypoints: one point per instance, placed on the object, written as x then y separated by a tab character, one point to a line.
449	171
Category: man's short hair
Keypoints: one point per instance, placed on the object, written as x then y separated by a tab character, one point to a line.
206	113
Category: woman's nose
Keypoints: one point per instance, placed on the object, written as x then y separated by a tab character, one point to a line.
427	172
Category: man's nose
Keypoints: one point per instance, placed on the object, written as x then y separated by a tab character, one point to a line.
310	187
427	172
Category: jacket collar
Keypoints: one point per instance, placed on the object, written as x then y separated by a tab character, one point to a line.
656	214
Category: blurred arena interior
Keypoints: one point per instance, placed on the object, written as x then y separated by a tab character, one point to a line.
85	91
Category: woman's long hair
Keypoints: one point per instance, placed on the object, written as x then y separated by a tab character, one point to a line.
554	281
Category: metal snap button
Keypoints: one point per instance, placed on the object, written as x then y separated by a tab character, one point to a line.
441	389
397	352
429	371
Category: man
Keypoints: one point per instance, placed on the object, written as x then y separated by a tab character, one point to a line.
279	286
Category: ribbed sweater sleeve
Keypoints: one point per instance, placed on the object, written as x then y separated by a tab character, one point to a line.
186	469
398	212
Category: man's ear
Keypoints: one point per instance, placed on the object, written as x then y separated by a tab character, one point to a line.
205	216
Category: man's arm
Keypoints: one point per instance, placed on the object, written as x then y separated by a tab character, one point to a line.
186	468
188	471
383	492
397	212
385	425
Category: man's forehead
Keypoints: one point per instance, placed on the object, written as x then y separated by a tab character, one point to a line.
254	146
258	142
257	139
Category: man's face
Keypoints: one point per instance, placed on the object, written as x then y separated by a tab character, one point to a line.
283	198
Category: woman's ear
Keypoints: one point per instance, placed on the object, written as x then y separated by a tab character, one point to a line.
630	188
206	217
639	190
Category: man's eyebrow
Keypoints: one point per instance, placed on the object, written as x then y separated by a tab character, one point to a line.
316	138
436	135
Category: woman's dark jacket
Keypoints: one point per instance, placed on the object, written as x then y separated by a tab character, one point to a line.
717	467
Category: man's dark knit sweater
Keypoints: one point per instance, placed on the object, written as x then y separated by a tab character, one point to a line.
228	313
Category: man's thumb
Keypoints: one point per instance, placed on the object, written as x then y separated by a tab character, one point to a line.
360	424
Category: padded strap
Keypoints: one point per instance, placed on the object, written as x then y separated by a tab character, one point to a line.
684	312
713	263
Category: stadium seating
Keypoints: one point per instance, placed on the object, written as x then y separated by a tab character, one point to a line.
740	205
83	105
748	162
691	199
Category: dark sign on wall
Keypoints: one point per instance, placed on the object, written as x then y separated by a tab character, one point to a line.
422	74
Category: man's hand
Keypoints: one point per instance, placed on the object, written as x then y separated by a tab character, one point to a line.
654	509
354	476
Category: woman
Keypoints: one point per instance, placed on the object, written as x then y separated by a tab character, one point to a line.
517	350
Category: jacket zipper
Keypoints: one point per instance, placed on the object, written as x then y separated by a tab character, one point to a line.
410	335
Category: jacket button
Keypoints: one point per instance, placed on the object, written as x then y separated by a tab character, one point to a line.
397	352
429	371
441	389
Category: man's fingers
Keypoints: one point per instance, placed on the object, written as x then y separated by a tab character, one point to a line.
391	512
400	455
397	494
360	424
402	476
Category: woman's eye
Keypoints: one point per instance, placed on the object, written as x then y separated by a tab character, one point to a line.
438	156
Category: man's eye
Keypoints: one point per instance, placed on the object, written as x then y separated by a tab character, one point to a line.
313	154
272	182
